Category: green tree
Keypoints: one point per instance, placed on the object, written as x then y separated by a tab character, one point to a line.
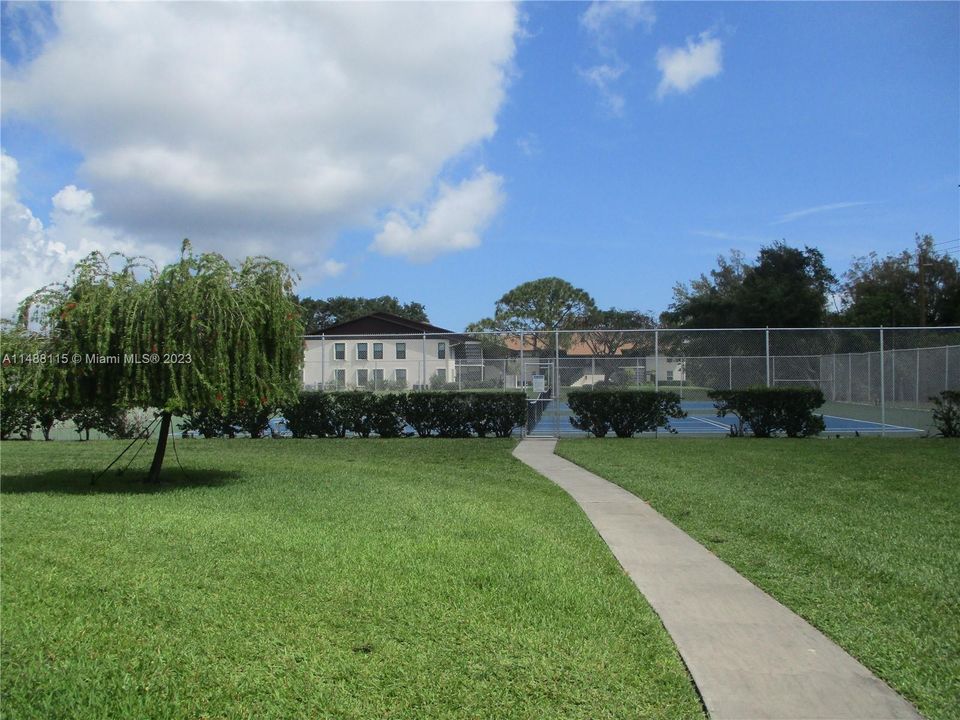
709	301
200	333
541	306
785	287
607	331
320	314
887	291
21	352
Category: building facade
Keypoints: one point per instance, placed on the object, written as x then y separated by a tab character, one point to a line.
382	351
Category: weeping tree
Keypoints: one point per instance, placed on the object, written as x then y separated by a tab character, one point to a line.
201	333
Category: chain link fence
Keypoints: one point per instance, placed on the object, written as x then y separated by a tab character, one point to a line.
874	380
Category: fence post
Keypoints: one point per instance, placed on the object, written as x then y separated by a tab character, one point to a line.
883	398
556	375
656	360
833	378
523	369
850	377
917	388
946	367
323	352
730	373
767	353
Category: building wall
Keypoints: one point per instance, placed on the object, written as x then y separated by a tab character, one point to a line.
320	364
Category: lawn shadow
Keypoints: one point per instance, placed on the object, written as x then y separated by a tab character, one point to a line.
81	482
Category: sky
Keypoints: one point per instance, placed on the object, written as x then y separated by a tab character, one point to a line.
447	152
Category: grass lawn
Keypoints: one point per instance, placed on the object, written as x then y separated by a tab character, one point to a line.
859	536
347	579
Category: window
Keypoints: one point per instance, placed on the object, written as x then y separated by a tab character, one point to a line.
669	375
378	351
377	377
362	378
401	351
361	351
441	350
441	375
400	374
340	351
339	378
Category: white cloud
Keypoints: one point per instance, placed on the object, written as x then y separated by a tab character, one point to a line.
529	144
71	199
33	256
684	67
797	214
603	77
453	222
602	19
332	268
264	127
605	16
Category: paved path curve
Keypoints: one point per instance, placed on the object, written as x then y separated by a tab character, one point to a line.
749	656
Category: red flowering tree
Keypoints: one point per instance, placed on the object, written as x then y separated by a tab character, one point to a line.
201	333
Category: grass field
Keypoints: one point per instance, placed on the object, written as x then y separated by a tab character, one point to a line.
859	536
347	579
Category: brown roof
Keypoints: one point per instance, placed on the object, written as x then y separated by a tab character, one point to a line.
382	323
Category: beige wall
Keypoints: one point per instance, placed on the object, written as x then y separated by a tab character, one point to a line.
320	362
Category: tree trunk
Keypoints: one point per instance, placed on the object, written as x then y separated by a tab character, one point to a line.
157	463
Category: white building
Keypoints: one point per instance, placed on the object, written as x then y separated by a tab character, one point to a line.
382	351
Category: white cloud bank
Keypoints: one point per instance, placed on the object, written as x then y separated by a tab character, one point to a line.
684	68
263	127
452	222
32	255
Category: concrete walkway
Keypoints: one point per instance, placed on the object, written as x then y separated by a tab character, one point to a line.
749	656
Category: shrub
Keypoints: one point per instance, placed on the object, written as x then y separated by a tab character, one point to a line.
387	413
420	412
770	410
252	419
208	423
315	414
497	413
946	413
626	412
353	407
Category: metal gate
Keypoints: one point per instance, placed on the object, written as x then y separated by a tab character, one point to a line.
543	402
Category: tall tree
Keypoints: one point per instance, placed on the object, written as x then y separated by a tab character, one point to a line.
607	331
541	306
200	333
320	314
887	291
785	287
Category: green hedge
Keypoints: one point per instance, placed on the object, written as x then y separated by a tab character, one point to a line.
626	412
439	414
767	411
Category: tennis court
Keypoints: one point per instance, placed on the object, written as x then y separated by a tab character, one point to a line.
702	420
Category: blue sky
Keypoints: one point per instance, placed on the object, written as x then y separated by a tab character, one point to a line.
622	150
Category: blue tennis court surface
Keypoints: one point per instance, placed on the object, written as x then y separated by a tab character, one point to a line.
702	420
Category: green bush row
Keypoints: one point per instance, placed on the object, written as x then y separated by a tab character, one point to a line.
766	411
440	414
626	412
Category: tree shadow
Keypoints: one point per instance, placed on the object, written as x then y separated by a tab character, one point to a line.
81	482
